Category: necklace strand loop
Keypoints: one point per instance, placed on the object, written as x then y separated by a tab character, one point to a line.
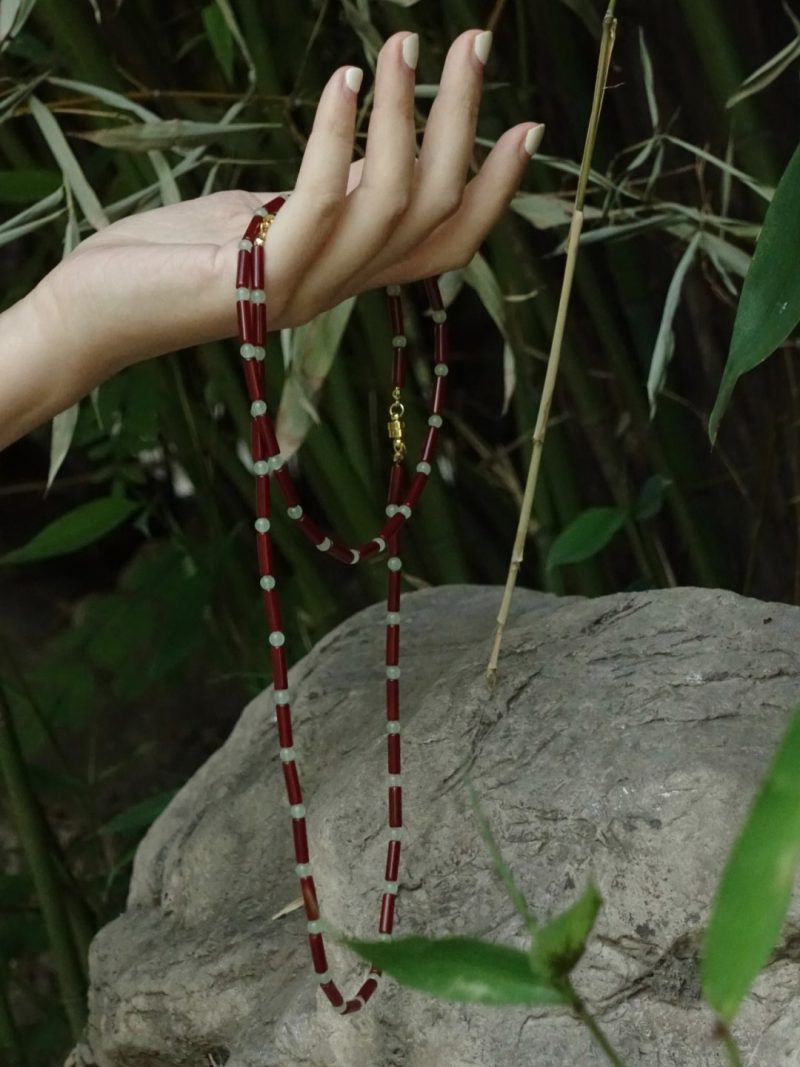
269	466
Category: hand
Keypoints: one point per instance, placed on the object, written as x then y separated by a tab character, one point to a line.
164	279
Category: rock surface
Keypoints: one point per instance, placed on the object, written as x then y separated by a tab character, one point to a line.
623	741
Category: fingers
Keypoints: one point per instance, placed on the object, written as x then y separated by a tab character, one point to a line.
450	129
454	242
305	222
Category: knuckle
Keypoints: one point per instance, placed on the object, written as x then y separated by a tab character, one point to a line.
327	204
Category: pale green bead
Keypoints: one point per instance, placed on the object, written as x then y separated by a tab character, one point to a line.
287	755
423	467
392	618
439	316
393	290
267	582
394	563
379	541
391	510
435	421
396	833
277	638
356	556
303	870
314	926
281	696
295	512
260	353
405	511
262	525
392	673
324	544
393	727
258	296
247	351
245	245
261	467
395	780
390	887
242	293
441	369
258	407
399	341
297	811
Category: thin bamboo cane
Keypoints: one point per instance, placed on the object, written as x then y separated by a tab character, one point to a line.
34	840
540	430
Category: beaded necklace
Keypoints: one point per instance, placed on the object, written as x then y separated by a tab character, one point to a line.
269	465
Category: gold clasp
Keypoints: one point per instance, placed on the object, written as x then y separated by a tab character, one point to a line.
263	226
395	426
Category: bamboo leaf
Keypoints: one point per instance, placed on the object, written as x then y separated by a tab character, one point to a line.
309	351
139	816
462	969
585	536
766	74
26	186
69	165
167	133
481	277
546	210
559	944
78	528
756	885
665	340
220	38
587	13
13	16
651	498
61	433
769	307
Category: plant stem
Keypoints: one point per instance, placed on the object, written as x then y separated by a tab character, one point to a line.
576	225
33	837
589	1021
732	1053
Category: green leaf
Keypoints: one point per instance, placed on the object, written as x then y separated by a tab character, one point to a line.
756	885
665	341
766	74
651	498
78	528
171	133
61	434
585	536
220	38
769	307
139	816
559	945
463	969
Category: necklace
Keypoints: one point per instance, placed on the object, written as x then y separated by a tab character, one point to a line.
269	466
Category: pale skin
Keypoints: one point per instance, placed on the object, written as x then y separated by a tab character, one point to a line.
164	279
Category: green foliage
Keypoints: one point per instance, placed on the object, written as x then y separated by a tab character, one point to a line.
769	308
460	968
585	536
756	886
558	946
75	530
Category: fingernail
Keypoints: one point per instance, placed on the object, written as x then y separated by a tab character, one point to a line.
353	77
533	138
411	50
483	45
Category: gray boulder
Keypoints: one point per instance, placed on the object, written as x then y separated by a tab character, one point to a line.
623	741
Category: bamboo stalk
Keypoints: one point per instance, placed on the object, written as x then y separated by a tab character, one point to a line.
33	837
540	430
11	1050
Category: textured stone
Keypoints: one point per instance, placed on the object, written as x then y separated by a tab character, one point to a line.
623	741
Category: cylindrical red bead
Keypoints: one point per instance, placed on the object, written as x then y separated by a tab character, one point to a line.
258	267
280	675
439	395
243	320
252	377
243	273
270	441
256	442
288	490
392	699
284	716
396	482
340	553
367	989
430	445
369	548
395	805
417	485
387	913
259	315
309	893
310	528
300	840
392	526
318	957
392	645
292	780
352	1007
393	598
393	750
441	345
264	547
399	365
331	991
392	861
273	609
262	498
396	314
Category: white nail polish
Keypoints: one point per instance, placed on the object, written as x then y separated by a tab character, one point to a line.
353	77
411	50
533	138
483	45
